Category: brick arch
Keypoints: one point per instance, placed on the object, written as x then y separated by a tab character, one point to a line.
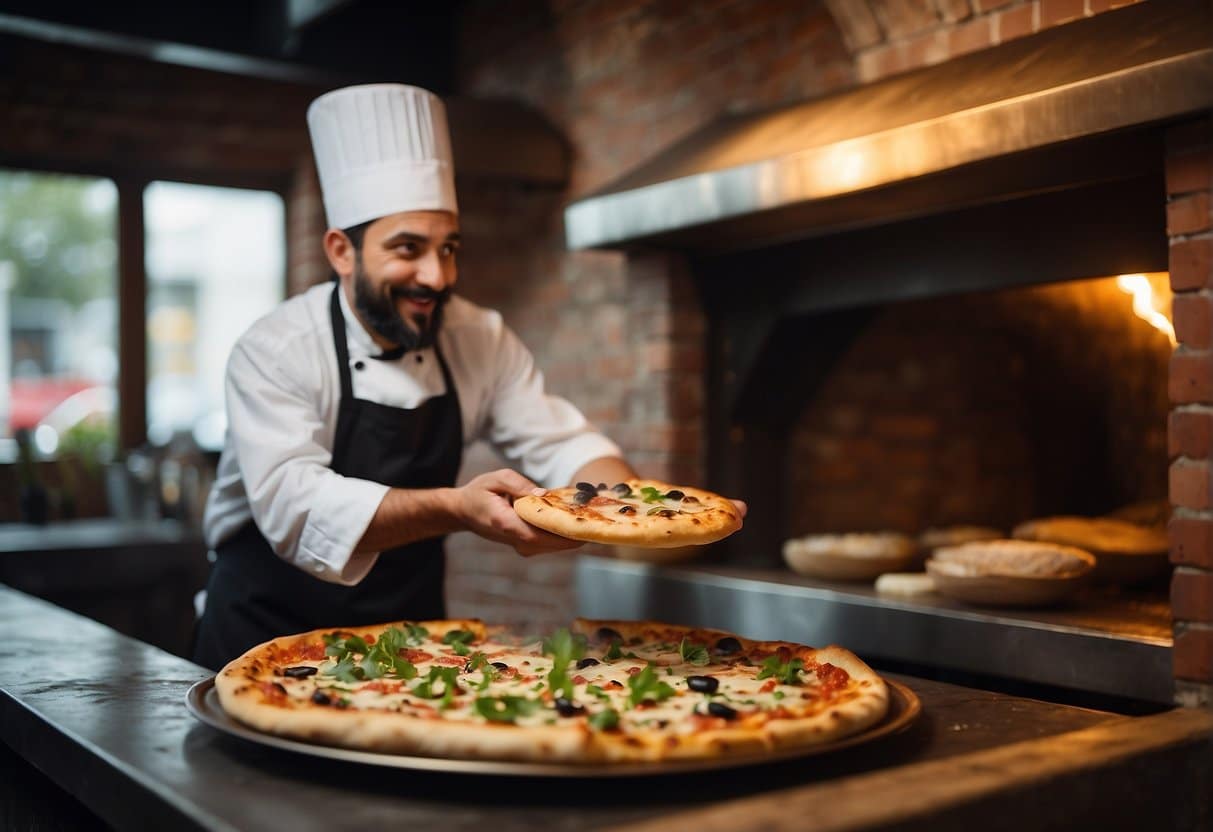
886	37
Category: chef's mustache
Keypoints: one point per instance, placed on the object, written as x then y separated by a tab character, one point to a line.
422	293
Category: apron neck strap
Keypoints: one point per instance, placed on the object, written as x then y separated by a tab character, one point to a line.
343	351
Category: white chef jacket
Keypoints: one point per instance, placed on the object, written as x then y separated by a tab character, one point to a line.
282	393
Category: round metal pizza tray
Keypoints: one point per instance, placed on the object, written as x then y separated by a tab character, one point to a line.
203	703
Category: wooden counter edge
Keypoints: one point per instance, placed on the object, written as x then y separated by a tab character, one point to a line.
929	790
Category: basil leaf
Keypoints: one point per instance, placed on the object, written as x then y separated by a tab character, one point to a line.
564	647
786	673
650	494
370	668
448	677
505	708
645	685
696	654
594	690
613	652
604	720
415	634
463	637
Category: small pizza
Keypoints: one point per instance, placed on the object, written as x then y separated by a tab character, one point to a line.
1012	558
599	692
1096	534
644	513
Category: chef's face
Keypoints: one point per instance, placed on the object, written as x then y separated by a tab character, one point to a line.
402	275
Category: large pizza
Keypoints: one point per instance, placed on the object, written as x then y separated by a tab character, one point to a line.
601	691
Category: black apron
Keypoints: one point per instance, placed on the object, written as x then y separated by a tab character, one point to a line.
253	595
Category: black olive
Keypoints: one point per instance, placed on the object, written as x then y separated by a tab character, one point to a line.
621	488
728	645
301	672
703	684
721	710
690	499
567	707
588	661
585	486
666	512
627	510
674	495
501	665
321	698
607	634
583	497
602	486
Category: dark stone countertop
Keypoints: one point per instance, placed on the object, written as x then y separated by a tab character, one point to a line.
103	716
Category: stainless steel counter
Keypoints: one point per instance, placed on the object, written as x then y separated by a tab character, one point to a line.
1104	644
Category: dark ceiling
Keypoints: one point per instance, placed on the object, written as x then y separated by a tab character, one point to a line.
337	41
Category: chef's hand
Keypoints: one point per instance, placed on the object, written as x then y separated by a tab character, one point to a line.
486	508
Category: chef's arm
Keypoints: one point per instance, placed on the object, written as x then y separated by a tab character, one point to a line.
483	506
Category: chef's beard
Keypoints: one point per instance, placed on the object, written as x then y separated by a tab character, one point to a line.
377	309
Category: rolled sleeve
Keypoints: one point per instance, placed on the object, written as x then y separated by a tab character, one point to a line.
338	519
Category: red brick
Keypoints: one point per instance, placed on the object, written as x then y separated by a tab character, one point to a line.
901	18
859	27
924	50
1190	378
1191	264
1191	171
953	11
1191	541
1192	314
881	62
1190	135
1190	433
1192	656
1014	23
1188	214
1056	12
1190	484
971	36
1192	595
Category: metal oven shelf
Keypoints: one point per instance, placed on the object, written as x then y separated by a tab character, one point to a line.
1102	644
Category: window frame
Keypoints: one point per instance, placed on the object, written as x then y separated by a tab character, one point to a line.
131	182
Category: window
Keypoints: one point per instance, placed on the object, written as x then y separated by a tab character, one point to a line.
214	262
58	309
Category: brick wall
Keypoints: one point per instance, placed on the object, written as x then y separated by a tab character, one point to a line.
1189	168
891	36
86	110
620	337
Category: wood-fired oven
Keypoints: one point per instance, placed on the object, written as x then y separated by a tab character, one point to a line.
918	314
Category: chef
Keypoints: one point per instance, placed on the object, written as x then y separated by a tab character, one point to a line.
349	406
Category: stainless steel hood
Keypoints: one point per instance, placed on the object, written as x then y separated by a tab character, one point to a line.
794	169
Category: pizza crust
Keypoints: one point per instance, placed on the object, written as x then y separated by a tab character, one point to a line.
713	518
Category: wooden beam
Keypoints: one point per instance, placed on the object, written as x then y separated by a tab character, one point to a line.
132	316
